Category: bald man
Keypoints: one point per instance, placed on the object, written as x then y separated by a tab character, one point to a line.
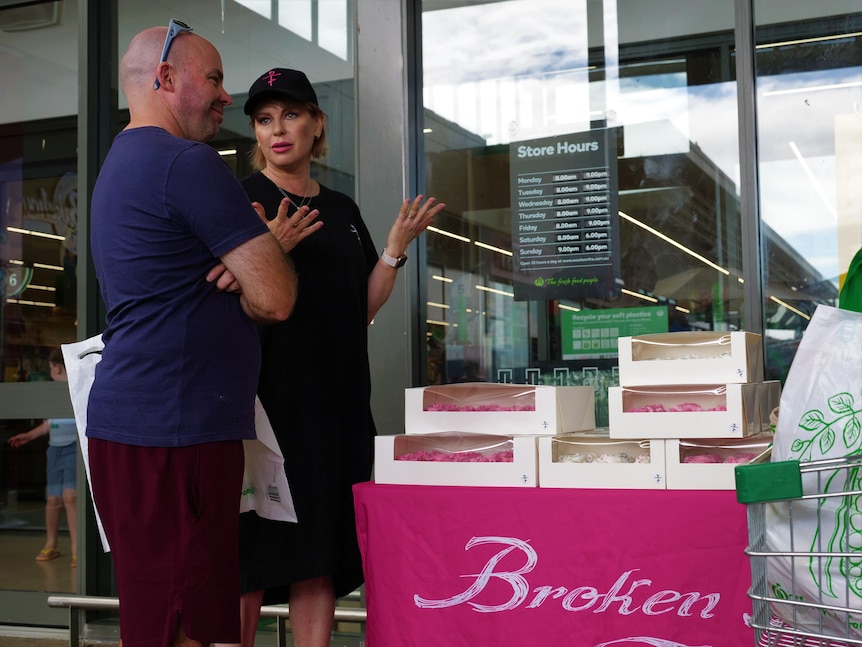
173	396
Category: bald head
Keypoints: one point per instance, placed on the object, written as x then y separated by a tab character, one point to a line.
190	99
140	60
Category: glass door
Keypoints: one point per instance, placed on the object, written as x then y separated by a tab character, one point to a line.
38	302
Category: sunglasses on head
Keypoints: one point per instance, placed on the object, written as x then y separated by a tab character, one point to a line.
175	28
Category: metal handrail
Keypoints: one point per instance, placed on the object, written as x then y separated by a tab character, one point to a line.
78	603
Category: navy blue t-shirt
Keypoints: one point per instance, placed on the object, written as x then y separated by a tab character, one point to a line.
181	359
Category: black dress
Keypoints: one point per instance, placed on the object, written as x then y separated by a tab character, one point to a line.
315	387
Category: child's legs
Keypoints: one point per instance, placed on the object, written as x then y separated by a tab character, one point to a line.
52	521
70	502
67	467
53	496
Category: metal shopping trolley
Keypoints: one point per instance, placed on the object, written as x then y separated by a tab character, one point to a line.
805	545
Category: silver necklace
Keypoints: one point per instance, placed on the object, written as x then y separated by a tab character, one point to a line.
306	199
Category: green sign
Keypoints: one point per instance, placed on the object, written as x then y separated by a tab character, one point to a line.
14	280
593	334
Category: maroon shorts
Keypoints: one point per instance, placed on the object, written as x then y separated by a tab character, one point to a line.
171	516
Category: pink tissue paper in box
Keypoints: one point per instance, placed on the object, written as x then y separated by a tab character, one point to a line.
490	408
456	459
709	463
692	411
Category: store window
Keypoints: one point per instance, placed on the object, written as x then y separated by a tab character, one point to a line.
38	207
809	102
588	155
38	274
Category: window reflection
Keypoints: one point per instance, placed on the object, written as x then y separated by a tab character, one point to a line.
669	92
38	185
669	89
809	101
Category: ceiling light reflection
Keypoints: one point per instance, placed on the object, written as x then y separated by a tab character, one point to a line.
802	41
813	180
639	295
31	232
813	88
43	266
495	291
22	302
789	307
448	233
670	240
506	252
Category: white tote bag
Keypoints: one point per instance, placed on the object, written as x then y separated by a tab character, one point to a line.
265	489
820	417
81	359
264	483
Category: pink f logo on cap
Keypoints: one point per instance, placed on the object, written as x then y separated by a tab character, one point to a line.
273	75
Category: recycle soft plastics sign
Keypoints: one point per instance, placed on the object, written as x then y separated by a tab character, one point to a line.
593	334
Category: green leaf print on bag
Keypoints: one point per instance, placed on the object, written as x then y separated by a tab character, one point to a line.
842	405
848	516
846	538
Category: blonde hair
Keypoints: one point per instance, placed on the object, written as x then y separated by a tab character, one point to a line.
318	150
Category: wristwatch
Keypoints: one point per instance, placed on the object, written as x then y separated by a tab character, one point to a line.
391	261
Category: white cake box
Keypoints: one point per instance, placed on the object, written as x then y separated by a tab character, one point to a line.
490	408
690	357
456	459
597	461
691	411
708	463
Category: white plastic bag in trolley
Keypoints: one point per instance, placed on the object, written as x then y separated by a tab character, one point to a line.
265	488
820	416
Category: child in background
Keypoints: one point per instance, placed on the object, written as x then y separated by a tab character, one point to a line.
62	463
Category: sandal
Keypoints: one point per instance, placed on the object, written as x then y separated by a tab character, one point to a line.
47	554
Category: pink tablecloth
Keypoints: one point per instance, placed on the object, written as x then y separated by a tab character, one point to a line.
537	567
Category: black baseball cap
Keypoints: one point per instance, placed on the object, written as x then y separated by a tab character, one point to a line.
280	83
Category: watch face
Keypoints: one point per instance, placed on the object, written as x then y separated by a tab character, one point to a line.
400	261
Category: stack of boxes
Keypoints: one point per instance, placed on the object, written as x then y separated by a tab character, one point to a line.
690	406
702	395
479	433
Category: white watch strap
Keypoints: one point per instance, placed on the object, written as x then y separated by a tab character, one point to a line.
392	261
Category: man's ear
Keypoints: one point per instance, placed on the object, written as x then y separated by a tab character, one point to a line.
165	76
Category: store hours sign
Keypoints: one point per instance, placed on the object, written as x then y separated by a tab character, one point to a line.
565	227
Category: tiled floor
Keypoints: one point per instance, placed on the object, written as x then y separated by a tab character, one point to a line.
22	536
19	570
21	641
